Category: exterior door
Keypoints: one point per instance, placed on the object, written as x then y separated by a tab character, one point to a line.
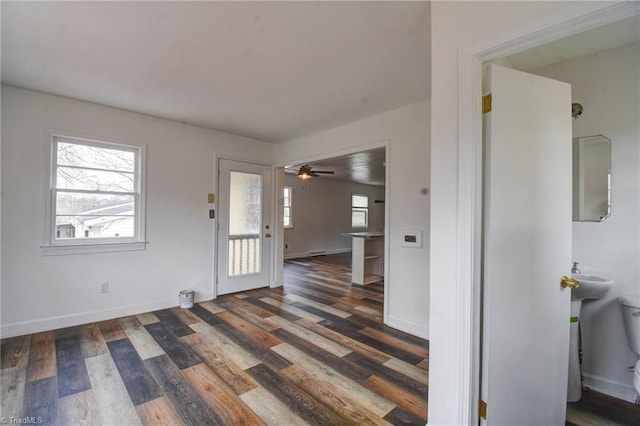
244	226
527	249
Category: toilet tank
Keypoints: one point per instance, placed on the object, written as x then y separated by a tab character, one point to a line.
631	318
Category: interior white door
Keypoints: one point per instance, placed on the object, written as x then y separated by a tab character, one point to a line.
527	249
244	226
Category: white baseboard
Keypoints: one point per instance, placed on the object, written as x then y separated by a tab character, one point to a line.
53	323
622	391
410	327
315	253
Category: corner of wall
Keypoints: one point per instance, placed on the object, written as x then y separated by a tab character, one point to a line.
409	327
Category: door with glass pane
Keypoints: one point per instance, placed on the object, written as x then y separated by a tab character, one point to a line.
244	226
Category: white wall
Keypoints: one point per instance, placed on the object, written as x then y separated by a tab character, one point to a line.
322	212
454	25
407	131
607	84
44	292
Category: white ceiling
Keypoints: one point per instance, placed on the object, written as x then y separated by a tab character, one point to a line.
273	71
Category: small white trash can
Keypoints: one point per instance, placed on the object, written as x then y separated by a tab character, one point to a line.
186	299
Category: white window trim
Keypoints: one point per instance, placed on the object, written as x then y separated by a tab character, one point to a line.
53	246
365	209
290	225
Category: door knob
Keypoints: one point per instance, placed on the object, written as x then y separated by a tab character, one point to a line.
568	282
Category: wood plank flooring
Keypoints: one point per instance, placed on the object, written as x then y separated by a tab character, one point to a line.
596	409
313	352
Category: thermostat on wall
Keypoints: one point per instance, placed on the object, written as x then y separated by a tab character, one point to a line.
412	239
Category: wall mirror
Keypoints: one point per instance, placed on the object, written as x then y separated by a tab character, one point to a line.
591	179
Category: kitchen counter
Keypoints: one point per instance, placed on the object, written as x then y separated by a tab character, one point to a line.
367	257
364	234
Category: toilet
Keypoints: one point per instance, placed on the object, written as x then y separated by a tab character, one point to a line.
631	318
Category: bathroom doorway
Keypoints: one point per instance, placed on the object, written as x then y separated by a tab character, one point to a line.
617	333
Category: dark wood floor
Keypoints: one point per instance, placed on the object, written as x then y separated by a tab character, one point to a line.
602	410
313	352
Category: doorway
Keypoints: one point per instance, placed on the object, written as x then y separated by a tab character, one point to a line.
601	69
317	212
245	226
466	334
455	330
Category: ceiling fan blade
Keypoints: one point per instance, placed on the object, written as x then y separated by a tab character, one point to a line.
306	171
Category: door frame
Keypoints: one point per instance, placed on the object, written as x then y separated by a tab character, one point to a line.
278	254
216	207
560	24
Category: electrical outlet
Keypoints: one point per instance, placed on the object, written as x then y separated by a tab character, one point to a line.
104	287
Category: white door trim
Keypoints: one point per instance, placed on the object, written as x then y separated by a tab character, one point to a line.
571	20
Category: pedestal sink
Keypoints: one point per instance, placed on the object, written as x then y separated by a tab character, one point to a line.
592	285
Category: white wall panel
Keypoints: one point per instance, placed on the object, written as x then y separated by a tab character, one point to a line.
44	292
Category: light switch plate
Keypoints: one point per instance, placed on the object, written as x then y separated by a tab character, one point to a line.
211	198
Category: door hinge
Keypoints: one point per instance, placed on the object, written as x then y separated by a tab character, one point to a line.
486	103
482	409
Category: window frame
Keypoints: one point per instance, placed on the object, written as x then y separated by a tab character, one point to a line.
360	209
285	207
54	245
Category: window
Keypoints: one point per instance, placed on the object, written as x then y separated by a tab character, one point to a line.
359	211
288	218
96	192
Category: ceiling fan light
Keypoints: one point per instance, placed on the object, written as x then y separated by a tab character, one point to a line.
305	172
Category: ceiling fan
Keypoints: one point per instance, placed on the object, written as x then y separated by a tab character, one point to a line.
307	172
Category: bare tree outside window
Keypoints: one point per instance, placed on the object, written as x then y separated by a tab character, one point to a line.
96	189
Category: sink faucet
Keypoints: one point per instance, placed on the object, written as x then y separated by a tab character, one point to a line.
574	268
